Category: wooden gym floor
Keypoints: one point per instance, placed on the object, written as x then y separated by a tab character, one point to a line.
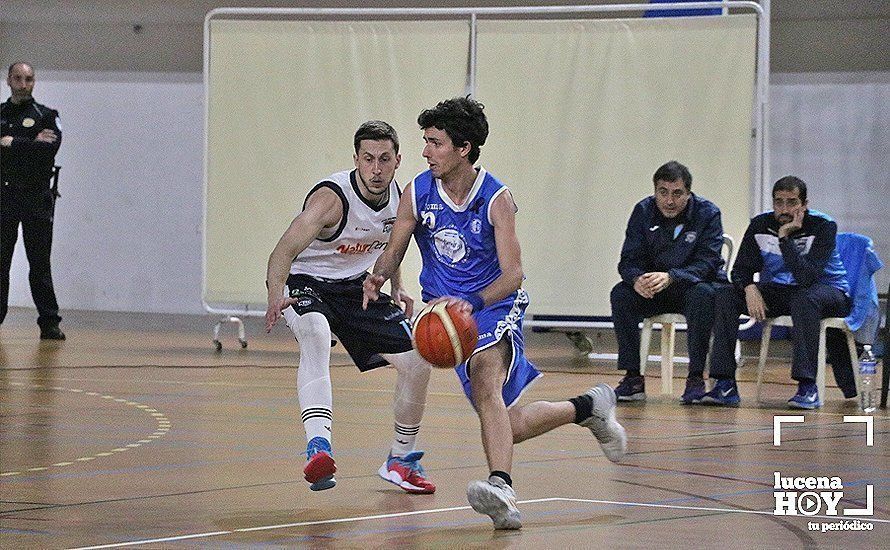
134	432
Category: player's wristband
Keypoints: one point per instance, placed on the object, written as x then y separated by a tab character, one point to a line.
476	301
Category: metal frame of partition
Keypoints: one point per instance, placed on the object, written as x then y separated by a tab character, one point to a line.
759	172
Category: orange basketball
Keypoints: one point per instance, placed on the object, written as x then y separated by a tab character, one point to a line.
445	336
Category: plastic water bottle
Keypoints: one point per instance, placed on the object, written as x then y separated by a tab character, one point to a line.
867	370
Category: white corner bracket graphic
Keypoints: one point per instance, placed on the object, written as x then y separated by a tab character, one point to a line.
869	422
777	426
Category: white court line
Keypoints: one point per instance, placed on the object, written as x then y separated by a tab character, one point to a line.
298	524
454	509
152	541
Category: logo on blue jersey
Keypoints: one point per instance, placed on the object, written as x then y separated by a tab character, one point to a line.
476	226
451	247
428	220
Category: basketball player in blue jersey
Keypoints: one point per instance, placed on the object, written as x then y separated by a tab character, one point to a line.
463	220
314	278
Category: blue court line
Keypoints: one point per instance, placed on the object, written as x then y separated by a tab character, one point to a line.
713	431
837	468
8	531
843	468
877	482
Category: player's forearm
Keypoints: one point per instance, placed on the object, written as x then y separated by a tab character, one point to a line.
396	280
506	284
302	231
279	266
387	265
276	274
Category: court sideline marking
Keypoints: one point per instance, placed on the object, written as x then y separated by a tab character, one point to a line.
440	510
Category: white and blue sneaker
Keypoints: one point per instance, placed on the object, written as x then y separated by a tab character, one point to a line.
497	500
602	423
725	393
807	396
320	467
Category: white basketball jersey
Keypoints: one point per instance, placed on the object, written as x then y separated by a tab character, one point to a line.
351	248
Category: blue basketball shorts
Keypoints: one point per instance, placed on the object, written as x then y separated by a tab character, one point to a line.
504	320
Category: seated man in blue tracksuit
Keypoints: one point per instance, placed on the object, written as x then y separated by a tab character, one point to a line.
669	262
801	275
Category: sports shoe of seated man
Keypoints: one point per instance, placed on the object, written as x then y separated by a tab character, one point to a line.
807	396
407	473
725	393
631	388
320	466
52	333
602	424
695	390
494	498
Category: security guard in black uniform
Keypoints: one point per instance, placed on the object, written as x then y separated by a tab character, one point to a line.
29	139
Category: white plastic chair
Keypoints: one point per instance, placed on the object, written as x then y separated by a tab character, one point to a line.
669	322
828	322
849	255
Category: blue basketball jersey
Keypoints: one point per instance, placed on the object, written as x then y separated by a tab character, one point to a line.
456	241
459	258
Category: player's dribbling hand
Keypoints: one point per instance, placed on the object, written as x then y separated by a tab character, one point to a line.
273	312
462	305
371	289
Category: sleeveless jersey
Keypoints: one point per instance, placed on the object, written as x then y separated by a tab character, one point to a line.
350	249
456	242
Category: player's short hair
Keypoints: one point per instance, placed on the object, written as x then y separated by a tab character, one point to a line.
17	63
790	183
462	119
376	130
673	171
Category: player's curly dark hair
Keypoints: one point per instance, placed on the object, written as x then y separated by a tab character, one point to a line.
462	119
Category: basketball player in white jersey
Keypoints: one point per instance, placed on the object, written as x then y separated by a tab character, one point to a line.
314	279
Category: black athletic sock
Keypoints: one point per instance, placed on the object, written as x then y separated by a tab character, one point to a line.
503	475
583	407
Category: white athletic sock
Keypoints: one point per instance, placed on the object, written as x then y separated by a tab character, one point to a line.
411	385
313	332
405	439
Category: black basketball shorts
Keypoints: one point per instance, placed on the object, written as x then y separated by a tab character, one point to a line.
382	328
